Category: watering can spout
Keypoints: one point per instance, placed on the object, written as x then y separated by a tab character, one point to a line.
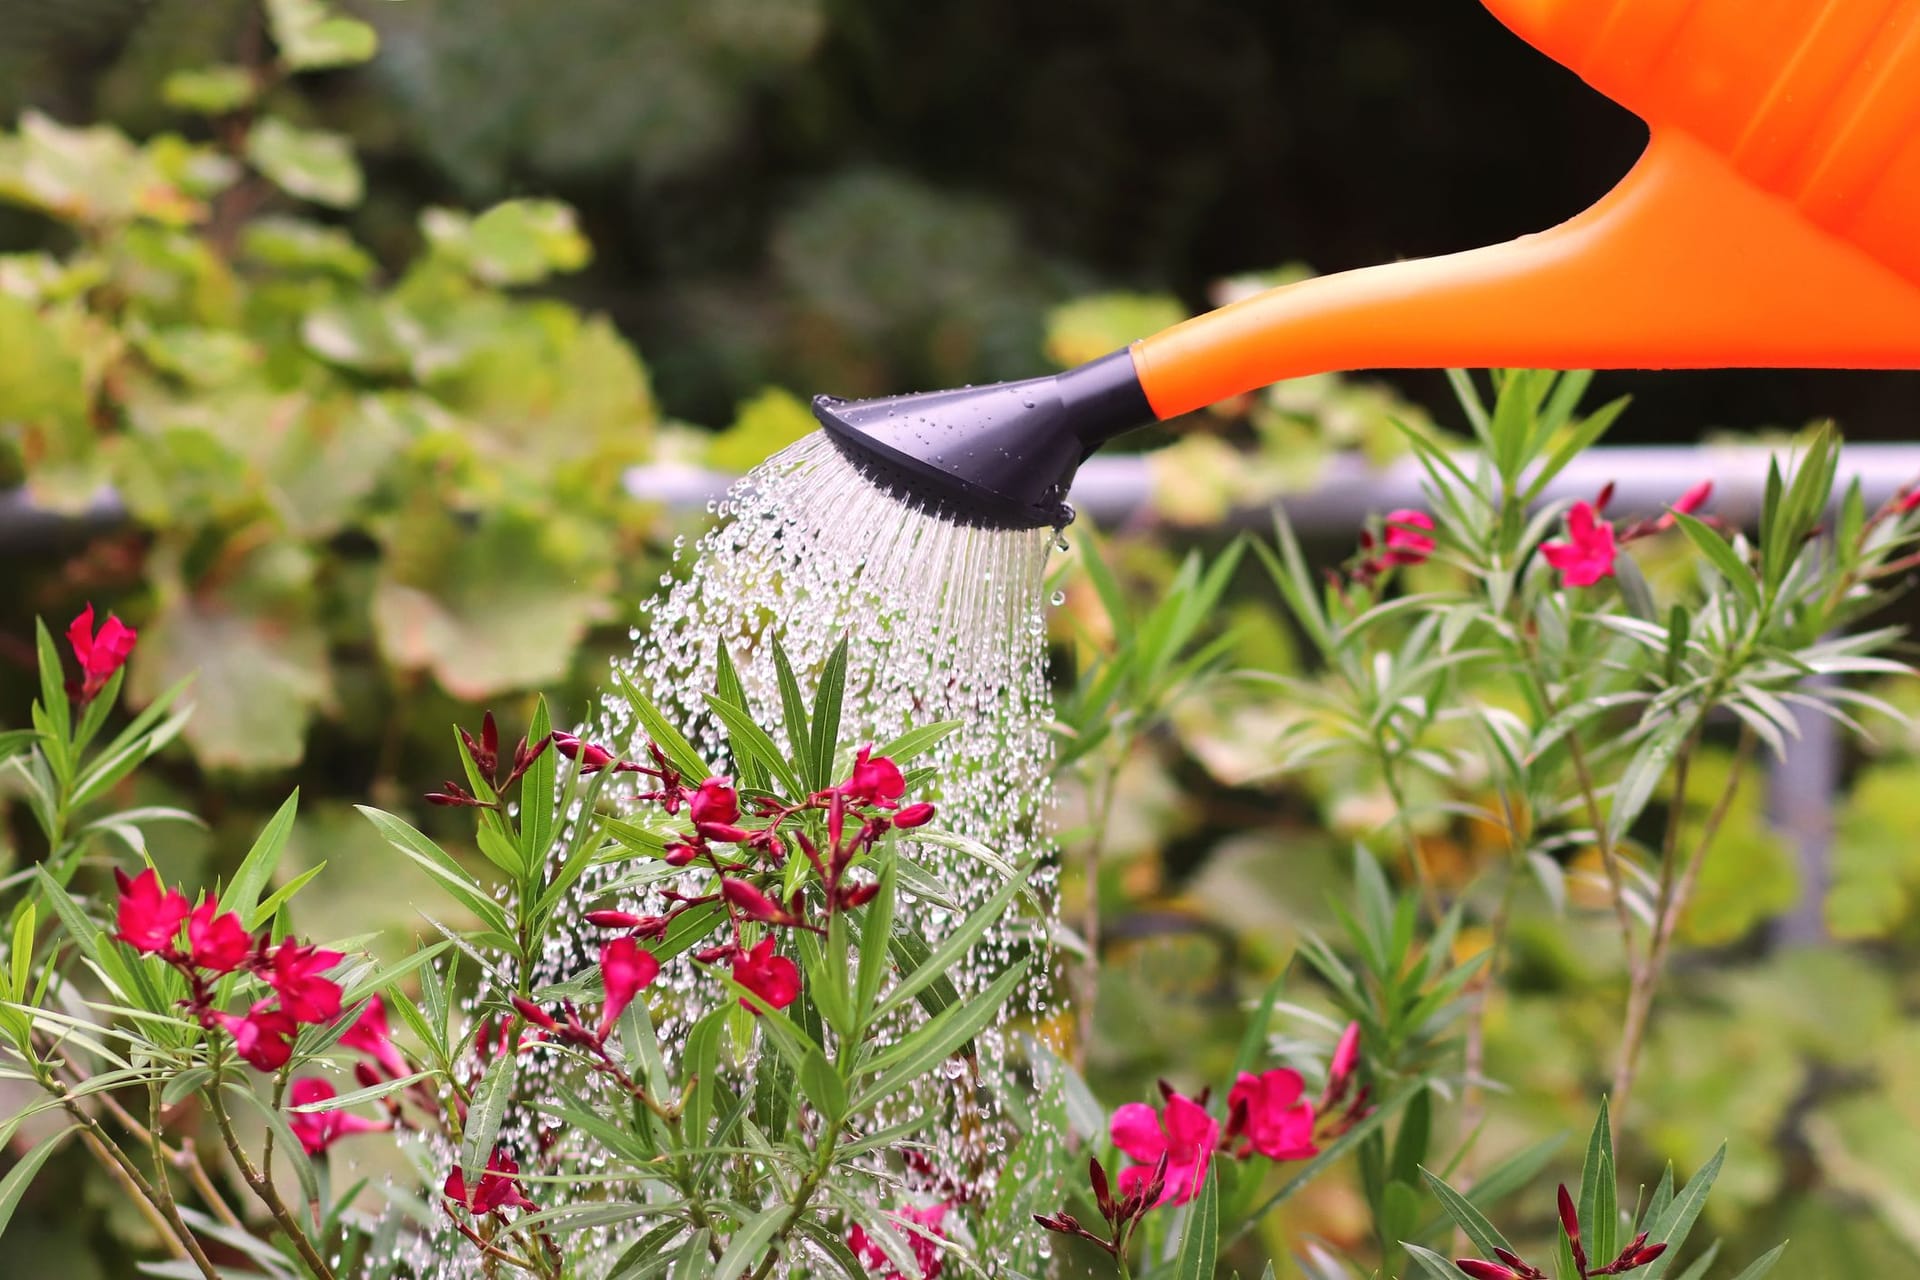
1685	265
1770	223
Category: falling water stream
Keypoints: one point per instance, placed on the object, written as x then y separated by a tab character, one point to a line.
945	622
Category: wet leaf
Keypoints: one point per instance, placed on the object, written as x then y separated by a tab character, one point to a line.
309	163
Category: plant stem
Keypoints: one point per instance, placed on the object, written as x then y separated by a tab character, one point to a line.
1473	1102
159	1210
1089	992
1429	892
802	1196
1674	896
262	1183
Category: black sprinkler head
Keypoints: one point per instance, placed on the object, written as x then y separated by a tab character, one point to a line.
1001	455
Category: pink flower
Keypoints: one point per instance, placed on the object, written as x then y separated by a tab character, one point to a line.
914	815
1267	1110
499	1187
715	801
1406	543
921	1227
624	970
264	1037
148	916
1587	556
369	1035
217	942
99	655
775	979
875	779
318	1130
1187	1141
295	976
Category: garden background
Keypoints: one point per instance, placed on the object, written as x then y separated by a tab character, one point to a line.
768	198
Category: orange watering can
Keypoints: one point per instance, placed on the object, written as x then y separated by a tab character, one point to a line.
1773	221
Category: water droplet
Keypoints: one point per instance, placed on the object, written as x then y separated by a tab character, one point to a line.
1059	598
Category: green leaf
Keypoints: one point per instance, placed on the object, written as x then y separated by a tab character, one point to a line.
257	868
311	37
826	718
372	1093
537	795
1200	1236
916	742
876	929
515	242
20	1177
1643	773
448	873
209	91
941	1037
1673	1225
751	1241
1485	1236
489	1107
1764	1263
311	164
823	1086
1725	560
955	945
1599	1217
793	704
53	696
662	731
1432	1263
750	744
21	955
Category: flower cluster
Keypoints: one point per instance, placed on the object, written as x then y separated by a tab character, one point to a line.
1593	544
99	655
149	919
1408	540
746	860
1174	1147
381	1061
1511	1266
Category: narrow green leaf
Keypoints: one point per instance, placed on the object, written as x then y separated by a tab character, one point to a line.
793	704
754	750
484	1115
20	1177
823	1086
1720	553
826	718
1764	1263
257	868
372	1093
1432	1263
1594	1170
916	742
1200	1237
750	1242
21	955
955	945
1485	1236
661	730
939	1039
286	1143
441	865
537	787
1679	1217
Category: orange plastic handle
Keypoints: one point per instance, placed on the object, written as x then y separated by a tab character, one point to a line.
1774	220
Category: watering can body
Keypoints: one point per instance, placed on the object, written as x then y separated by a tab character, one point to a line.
1771	222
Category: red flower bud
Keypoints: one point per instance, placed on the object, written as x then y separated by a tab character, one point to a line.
592	758
680	853
914	815
1409	539
1485	1270
723	832
1642	1257
534	1014
756	905
1570	1223
613	919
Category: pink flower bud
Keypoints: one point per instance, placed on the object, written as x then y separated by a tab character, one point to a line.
1479	1270
624	970
1408	540
613	919
680	853
534	1014
723	832
592	758
914	815
1695	498
756	905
